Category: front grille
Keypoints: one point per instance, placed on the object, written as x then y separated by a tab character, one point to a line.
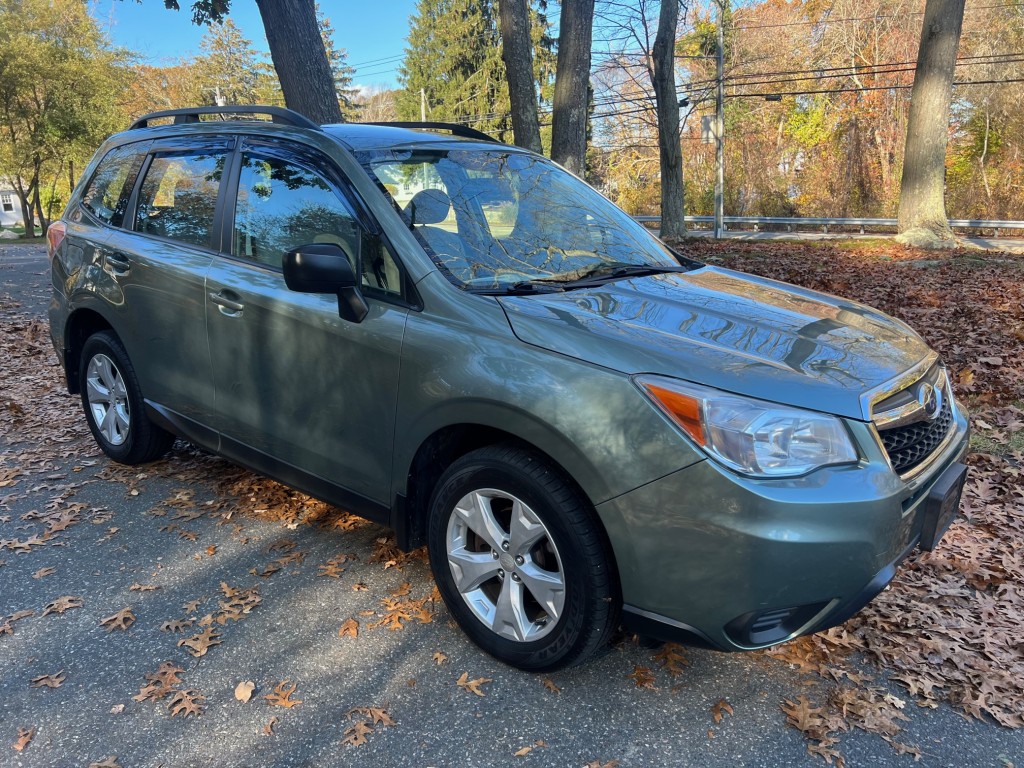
909	445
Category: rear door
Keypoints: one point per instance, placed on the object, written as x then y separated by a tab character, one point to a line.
298	388
160	260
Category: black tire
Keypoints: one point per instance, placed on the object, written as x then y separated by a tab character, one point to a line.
572	548
118	418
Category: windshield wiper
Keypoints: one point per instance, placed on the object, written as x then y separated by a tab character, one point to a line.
518	288
604	273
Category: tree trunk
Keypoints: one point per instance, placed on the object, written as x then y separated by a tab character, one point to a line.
666	101
572	80
517	53
300	58
922	213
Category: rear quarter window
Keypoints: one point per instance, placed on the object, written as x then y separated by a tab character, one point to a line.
106	195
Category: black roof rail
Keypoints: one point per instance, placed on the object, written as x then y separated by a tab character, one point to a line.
191	115
456	130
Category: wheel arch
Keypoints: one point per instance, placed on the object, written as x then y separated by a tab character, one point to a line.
446	444
80	325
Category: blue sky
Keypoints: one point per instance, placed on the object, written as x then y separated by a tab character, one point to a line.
373	33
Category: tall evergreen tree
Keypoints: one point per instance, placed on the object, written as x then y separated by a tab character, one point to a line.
230	69
453	64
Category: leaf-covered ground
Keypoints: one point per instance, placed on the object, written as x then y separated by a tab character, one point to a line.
197	566
951	627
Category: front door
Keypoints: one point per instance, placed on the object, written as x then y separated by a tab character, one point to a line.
297	385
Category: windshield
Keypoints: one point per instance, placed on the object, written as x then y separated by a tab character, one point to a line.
494	218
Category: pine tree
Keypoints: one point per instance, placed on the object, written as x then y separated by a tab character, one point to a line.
230	70
454	57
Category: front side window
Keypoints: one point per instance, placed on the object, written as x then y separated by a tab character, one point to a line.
284	204
494	218
106	196
179	195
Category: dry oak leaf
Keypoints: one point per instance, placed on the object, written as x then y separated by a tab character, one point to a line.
24	737
672	659
143	587
550	685
377	715
120	620
186	702
177	625
642	677
349	628
599	764
107	762
268	729
524	751
62	604
43	572
473	686
199	644
281	695
439	658
356	735
720	707
49	681
243	691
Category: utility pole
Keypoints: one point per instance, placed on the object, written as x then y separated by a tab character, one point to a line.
720	123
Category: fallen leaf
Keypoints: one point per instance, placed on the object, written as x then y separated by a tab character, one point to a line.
186	702
62	604
720	707
642	677
439	658
43	572
24	737
143	587
349	628
177	625
355	735
473	686
117	709
268	729
243	691
550	685
281	695
120	620
107	762
49	681
199	644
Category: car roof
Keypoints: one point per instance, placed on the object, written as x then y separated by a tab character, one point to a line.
362	136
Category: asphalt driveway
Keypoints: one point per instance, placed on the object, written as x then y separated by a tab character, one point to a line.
134	601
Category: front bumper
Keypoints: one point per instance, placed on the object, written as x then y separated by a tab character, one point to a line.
710	558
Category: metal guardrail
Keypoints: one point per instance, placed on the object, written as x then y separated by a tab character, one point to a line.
812	222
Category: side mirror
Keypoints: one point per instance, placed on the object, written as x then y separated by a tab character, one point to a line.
325	268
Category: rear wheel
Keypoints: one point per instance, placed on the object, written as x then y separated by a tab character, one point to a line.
113	403
520	560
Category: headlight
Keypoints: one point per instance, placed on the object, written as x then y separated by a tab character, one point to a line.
753	437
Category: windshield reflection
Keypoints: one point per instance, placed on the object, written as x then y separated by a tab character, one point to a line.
493	218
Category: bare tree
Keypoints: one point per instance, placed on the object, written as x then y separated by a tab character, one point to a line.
663	78
922	213
517	53
572	84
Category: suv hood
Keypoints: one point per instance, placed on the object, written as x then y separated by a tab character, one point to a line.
728	330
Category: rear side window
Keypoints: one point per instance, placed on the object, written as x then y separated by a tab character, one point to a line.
178	197
106	196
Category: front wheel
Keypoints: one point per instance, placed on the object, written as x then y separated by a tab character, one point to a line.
113	403
521	560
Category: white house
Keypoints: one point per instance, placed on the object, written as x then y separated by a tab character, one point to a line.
10	210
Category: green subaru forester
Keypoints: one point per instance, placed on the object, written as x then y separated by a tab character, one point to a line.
460	340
